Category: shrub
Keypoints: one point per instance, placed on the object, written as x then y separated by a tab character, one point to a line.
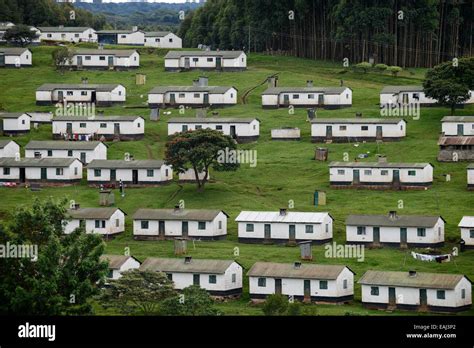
381	67
394	70
364	66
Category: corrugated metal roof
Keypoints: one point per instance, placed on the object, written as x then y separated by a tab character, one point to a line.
210	120
13	114
115	261
325	90
13	51
96	118
388	120
157	33
114	164
398	89
288	270
62	145
92	213
274	216
403	279
63	29
179	214
179	266
117	53
177	89
386	221
466	221
378	165
4	143
35	162
223	54
456	140
80	86
458	119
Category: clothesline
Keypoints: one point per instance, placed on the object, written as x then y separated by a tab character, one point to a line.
431	258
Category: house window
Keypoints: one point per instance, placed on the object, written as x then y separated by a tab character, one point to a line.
471	233
416	96
50	35
83	93
69	93
75	170
196	95
69	153
210	59
296	96
117	222
150	173
412	172
102	58
170	276
50	153
249	228
82	125
323	284
97	172
421	232
195	60
309	228
342	128
166	172
344	284
234	278
6	171
212	279
88	58
262	282
218	127
198	126
22	121
341	172
59	171
123	36
310	96
170	40
220	225
364	128
463	293
360	230
440	294
120	93
374	290
327	228
76	35
145	225
368	172
201	225
182	95
103	125
184	128
384	172
99	223
157	40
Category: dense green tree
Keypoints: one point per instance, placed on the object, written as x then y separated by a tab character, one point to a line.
62	57
19	35
277	305
193	301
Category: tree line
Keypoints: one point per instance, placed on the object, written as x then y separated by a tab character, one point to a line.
407	33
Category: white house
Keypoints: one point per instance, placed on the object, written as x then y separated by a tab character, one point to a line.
108	127
221	278
286	133
200	94
357	129
132	172
162	39
380	175
310	282
133	37
85	151
15	123
242	129
105	59
328	97
119	264
48	171
406	95
436	292
456	142
9	148
15	57
284	227
101	95
467	231
104	221
206	60
69	34
395	230
152	224
470	177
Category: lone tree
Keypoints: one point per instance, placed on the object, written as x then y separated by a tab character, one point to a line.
450	83
137	292
62	56
19	35
60	276
193	301
200	149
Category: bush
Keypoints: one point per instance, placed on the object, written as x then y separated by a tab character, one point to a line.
364	66
394	70
381	67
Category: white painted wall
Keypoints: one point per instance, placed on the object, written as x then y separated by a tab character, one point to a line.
24	59
116	224
308	98
96	60
470	176
165	173
241	129
207	62
194	98
168	41
21	124
10	150
135	127
390	98
73	172
451	128
355	130
131	263
83	95
99	153
136	38
422	175
88	35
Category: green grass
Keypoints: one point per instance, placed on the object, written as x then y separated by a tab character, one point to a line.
285	170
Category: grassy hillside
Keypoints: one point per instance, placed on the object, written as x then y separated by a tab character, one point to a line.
285	170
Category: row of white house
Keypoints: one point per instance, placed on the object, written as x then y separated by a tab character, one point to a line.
319	283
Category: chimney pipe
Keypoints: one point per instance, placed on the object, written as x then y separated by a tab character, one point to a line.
177	208
272	81
282	211
382	159
358	114
188	259
297	265
412	273
392	215
309	83
203	81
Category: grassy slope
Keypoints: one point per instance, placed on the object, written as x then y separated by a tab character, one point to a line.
285	170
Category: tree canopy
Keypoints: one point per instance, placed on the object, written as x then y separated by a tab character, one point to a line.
19	35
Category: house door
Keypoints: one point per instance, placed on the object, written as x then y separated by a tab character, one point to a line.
83	157
218	63
396	177
307	288
356	177
423	297
320	99
267	231
379	134
376	235
286	99
161	228
22	175
113	175
205	99
186	63
278	286
69	128
116	128
196	279
111	62
135	176
184	228
292	232
233	132
2	60
93	97
405	98
460	129
403	236
328	132
44	174
60	96
172	98
79	61
392	297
